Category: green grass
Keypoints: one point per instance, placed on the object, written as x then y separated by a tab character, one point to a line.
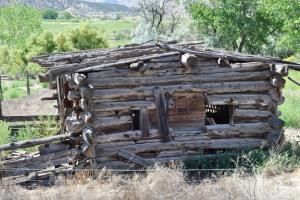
291	107
14	89
110	28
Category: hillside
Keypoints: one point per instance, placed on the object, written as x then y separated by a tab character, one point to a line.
78	5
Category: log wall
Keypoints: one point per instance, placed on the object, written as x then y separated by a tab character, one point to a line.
156	108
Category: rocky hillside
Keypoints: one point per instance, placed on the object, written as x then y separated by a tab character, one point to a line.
78	5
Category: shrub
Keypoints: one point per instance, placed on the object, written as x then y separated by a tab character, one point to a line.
87	37
50	14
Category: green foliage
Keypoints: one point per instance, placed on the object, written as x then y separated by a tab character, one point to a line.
87	37
5	133
66	15
12	61
244	25
50	14
62	43
17	23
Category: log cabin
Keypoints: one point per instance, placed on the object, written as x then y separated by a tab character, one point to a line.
137	105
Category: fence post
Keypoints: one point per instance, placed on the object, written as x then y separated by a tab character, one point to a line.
1	97
27	83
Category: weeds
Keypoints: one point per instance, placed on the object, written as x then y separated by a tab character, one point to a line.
5	133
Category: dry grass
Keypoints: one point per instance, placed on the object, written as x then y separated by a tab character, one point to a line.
270	182
162	183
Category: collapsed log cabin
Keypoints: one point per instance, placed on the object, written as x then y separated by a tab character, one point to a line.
140	104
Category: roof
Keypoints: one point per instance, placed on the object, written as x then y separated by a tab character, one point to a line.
100	59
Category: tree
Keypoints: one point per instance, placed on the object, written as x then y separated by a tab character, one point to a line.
243	25
50	14
17	23
162	19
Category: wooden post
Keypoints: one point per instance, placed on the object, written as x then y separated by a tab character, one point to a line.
162	114
27	83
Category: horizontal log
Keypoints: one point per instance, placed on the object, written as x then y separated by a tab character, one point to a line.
142	92
116	106
177	79
219	53
239	99
236	143
247	113
176	68
237	130
33	142
112	123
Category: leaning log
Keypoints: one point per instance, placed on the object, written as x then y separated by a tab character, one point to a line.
34	142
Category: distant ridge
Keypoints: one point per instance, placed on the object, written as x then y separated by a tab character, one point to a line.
79	5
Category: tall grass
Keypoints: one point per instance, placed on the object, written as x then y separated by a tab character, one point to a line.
4	133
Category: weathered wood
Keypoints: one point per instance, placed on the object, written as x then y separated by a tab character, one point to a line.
176	68
247	113
278	81
88	68
33	142
177	79
134	158
188	61
161	105
279	69
239	99
136	66
144	122
107	124
214	53
276	122
142	92
126	136
236	143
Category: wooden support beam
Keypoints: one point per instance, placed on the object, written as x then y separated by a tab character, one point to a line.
134	158
144	122
161	105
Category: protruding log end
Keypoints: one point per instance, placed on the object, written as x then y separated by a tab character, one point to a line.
279	69
276	122
136	66
189	60
276	138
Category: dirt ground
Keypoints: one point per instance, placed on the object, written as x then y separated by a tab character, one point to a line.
30	105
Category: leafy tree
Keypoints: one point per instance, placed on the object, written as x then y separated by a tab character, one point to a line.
86	37
66	15
50	14
244	25
17	23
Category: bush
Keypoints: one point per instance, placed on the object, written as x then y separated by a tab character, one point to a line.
50	14
86	37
